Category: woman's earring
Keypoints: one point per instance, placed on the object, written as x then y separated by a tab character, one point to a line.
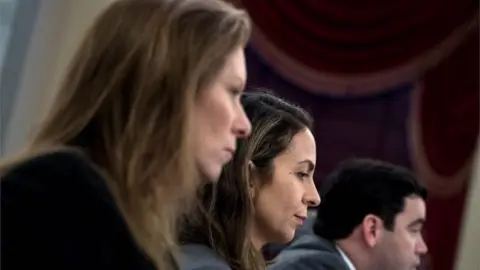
251	185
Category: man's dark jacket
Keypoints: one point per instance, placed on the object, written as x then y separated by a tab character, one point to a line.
309	252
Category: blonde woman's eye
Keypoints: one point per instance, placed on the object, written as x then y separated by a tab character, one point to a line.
235	91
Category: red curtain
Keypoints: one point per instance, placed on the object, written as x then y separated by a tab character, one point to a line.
354	36
446	122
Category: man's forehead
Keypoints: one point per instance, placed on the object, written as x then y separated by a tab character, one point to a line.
414	208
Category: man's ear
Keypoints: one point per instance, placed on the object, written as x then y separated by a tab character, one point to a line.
372	230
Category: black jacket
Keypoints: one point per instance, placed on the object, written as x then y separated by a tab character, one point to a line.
57	213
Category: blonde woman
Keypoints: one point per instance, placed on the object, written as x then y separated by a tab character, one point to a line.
149	109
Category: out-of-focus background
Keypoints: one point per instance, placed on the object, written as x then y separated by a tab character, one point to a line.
394	80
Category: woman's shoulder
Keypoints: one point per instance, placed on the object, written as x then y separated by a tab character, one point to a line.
54	185
63	183
201	257
65	162
55	174
58	212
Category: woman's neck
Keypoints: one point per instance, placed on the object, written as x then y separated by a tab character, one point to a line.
257	241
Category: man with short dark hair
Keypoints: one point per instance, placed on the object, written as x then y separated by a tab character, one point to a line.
370	218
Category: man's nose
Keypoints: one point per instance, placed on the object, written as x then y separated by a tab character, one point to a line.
422	247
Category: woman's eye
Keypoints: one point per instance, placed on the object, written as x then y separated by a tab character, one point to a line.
302	175
235	91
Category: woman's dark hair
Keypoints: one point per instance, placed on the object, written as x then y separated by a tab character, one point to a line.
225	210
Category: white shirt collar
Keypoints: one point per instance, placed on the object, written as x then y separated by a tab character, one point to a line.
346	259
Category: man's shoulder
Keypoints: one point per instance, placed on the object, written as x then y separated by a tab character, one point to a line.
201	257
312	242
309	252
311	261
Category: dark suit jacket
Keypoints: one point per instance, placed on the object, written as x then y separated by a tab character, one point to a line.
57	213
309	252
201	257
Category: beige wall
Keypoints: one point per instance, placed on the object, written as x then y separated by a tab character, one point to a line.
78	17
468	257
57	30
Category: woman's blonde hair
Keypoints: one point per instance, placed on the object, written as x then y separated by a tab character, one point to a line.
127	101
